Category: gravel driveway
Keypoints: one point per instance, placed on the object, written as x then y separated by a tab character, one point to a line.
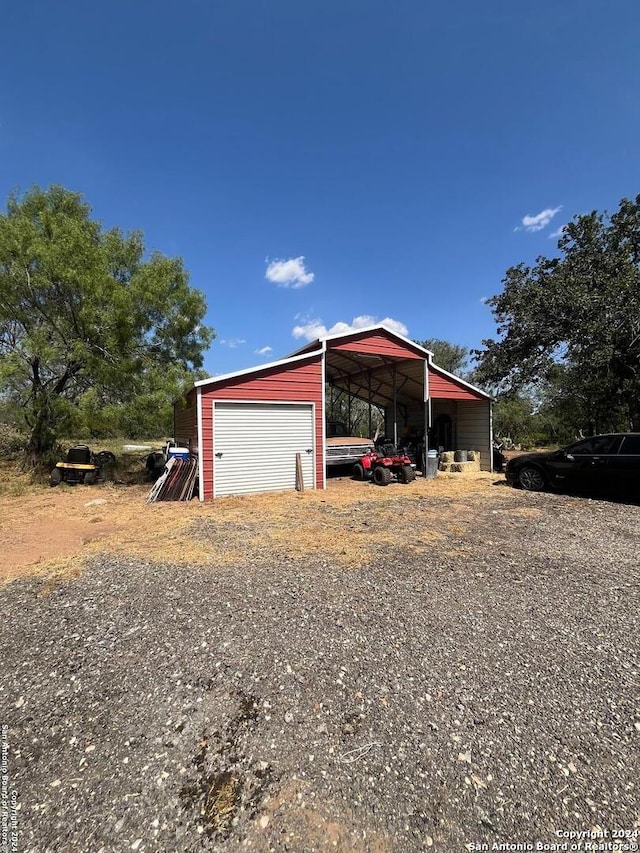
484	689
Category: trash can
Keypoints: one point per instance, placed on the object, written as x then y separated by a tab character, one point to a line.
460	456
431	468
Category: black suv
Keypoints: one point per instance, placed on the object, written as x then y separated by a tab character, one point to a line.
609	462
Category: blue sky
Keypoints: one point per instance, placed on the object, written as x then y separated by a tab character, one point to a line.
377	160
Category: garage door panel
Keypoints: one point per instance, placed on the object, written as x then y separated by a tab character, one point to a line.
258	443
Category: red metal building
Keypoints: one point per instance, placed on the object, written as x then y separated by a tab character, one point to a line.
247	427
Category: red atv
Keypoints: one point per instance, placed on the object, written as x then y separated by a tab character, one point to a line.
384	464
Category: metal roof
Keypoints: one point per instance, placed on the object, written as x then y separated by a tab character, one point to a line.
379	378
211	380
374	377
322	341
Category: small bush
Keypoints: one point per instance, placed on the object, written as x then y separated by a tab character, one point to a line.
12	442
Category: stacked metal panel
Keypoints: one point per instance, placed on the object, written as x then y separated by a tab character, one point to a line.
177	483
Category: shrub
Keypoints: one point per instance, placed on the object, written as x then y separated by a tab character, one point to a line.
12	441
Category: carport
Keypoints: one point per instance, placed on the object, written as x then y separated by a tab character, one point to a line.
247	428
389	371
390	374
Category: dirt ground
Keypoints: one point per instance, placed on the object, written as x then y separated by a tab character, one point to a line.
376	669
51	531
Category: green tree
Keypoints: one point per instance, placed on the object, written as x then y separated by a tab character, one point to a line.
569	406
520	418
580	311
451	357
83	308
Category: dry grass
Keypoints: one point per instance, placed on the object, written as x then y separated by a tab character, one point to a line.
52	531
221	803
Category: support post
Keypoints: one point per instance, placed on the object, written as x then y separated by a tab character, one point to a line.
427	418
299	476
395	408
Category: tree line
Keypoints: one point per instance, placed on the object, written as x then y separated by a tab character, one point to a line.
566	359
98	337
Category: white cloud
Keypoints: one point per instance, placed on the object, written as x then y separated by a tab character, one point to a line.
395	325
232	343
289	273
555	235
312	329
540	220
263	351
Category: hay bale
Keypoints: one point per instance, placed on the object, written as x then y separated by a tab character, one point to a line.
473	455
459	467
447	456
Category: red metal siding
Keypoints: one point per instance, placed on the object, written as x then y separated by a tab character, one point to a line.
300	382
377	343
444	388
185	422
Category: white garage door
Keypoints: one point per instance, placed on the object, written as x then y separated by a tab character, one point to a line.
255	446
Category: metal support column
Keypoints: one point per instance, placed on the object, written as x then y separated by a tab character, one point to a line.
427	418
395	408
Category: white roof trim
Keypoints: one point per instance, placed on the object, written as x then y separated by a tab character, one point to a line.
224	376
323	340
460	381
301	356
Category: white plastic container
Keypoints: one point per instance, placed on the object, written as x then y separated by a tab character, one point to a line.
178	453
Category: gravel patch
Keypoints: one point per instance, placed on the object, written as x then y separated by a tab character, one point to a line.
483	687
